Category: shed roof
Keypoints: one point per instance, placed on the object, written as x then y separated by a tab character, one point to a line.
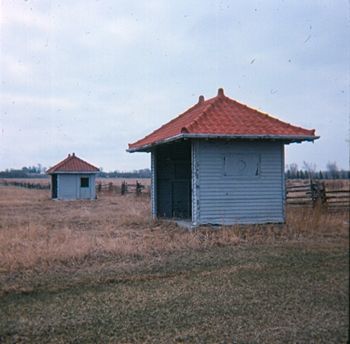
72	164
223	117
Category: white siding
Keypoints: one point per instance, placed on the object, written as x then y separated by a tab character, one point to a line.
69	187
230	199
89	192
153	184
195	182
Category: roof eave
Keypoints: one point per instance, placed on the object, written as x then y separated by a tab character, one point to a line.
72	172
284	138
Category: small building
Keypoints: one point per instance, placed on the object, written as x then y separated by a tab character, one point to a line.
73	178
220	162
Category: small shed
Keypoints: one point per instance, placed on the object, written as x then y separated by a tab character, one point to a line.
220	162
73	178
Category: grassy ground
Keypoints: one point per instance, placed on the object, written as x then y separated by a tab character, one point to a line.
104	272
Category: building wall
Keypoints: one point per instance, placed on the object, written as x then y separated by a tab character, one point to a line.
69	187
153	184
238	182
195	182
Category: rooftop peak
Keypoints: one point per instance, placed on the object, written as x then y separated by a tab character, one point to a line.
200	99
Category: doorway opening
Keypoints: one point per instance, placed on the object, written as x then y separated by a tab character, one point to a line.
174	196
54	186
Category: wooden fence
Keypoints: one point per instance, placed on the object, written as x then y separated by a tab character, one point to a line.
315	192
333	195
124	188
25	184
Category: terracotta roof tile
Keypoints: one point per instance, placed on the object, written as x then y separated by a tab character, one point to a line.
223	116
72	164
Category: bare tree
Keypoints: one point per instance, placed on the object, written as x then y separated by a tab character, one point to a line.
310	168
293	168
332	169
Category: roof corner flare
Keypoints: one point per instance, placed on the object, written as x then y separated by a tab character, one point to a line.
184	130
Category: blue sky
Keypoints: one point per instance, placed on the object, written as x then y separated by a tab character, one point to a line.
91	76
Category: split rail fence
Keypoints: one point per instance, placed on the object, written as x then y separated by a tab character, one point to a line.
25	184
333	195
124	188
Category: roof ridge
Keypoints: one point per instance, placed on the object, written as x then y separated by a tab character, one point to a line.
59	165
268	115
176	118
85	162
204	113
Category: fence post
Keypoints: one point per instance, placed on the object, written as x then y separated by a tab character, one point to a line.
99	187
110	187
318	193
138	188
123	188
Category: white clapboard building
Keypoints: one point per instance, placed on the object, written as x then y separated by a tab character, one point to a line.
220	162
73	178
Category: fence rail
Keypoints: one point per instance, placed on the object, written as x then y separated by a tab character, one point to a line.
124	188
316	192
26	184
298	193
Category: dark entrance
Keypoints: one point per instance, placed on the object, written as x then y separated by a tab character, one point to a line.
54	185
173	163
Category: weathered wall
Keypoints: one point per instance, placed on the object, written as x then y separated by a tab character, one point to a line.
69	187
238	182
154	184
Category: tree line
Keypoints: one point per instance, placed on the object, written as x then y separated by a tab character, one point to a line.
309	170
292	171
143	173
25	172
40	172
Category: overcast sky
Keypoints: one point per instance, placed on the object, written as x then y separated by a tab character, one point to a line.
91	76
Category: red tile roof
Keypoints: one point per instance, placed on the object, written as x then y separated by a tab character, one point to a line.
72	164
223	117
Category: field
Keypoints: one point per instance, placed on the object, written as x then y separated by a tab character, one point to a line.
103	271
46	181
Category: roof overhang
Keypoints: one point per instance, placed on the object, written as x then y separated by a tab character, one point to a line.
72	172
284	138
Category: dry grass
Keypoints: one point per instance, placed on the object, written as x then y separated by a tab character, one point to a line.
38	232
46	181
103	271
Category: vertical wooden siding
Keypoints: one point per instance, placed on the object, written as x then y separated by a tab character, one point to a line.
229	199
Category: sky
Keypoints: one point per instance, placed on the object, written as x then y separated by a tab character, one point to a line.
92	76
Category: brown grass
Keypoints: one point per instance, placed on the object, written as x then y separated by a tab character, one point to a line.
103	271
38	232
46	181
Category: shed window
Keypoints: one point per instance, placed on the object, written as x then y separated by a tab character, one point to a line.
84	182
244	165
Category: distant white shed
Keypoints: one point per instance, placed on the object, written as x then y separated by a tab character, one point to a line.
73	178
